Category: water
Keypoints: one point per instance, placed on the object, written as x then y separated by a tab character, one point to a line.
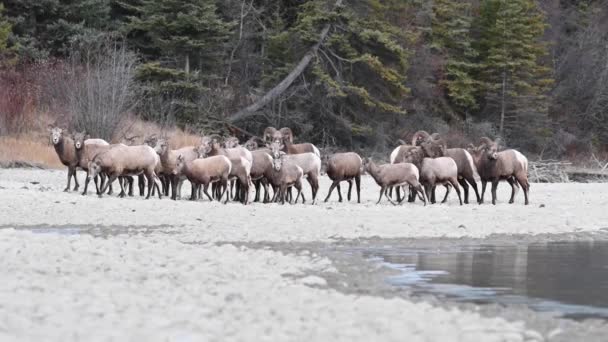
569	278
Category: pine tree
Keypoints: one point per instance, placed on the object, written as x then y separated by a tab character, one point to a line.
5	30
451	35
183	44
514	77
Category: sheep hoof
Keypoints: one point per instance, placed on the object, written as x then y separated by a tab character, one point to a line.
66	190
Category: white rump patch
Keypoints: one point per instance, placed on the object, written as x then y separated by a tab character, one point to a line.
394	155
316	151
472	164
522	159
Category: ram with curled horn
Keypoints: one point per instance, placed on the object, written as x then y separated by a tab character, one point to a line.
493	166
419	137
287	134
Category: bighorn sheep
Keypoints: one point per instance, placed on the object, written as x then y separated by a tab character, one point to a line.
442	170
168	160
262	164
391	175
205	171
271	134
290	148
309	162
494	166
64	146
464	161
231	142
122	160
285	174
240	158
344	167
86	150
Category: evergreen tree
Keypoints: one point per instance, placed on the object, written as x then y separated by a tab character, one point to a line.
515	80
43	28
451	35
183	42
5	30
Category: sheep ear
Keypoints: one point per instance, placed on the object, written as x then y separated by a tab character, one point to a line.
282	153
180	158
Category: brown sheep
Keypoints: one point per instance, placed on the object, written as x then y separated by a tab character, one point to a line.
494	166
122	160
64	147
344	167
394	175
205	171
285	173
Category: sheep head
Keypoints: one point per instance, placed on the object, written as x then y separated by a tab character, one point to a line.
269	134
179	165
420	137
94	168
277	161
162	146
56	134
286	134
79	138
231	142
276	148
488	147
252	144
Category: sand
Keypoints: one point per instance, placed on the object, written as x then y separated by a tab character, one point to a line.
181	274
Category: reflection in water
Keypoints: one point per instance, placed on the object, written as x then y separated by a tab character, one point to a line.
570	277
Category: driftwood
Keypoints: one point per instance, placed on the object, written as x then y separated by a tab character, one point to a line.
553	171
280	88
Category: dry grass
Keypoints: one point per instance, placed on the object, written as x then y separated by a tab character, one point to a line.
35	148
28	149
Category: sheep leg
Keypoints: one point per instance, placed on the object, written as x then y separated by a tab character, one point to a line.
158	185
494	187
398	193
358	188
420	192
389	199
483	190
206	192
108	184
511	182
141	185
331	189
122	193
174	181
465	186
86	184
411	196
382	190
447	192
428	188
433	195
130	181
67	188
76	185
314	183
350	188
525	185
454	183
339	193
256	185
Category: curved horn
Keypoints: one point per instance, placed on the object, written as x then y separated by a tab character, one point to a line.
269	132
486	141
287	133
401	142
422	134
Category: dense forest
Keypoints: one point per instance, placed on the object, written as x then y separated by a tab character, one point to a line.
345	73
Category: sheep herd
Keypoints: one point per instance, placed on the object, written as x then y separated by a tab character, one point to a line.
223	169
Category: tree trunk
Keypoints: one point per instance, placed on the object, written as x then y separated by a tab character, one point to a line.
502	104
287	81
187	67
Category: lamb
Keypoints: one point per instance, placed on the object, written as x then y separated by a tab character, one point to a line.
205	171
240	158
391	175
309	162
344	167
285	174
122	160
64	146
168	161
271	134
464	161
493	166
